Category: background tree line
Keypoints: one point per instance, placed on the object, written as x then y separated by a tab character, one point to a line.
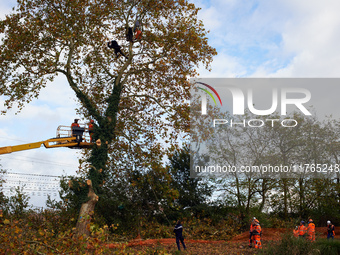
296	195
165	192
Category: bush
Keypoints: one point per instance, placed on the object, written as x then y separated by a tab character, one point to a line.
328	247
205	229
18	203
154	230
290	245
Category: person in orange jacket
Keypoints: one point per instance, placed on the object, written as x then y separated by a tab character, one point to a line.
91	130
296	231
256	234
302	229
311	230
138	35
137	29
75	124
251	232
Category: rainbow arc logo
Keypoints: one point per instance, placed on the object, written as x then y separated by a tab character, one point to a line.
204	98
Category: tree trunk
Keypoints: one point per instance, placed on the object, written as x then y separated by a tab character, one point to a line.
302	199
263	194
285	198
86	212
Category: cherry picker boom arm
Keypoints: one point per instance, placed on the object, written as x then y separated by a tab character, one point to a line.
77	141
10	149
69	142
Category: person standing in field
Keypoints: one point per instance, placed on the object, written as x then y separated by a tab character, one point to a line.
330	230
179	235
311	231
251	233
256	234
296	232
302	229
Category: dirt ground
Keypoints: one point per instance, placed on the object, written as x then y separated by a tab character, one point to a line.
199	248
237	245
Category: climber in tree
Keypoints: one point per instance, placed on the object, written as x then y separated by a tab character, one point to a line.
136	26
137	30
129	34
114	45
138	34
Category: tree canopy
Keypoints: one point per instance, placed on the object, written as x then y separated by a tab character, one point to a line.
125	96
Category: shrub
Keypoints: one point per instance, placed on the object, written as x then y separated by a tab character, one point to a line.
329	247
289	245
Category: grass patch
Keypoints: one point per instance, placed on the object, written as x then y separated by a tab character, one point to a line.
329	247
290	245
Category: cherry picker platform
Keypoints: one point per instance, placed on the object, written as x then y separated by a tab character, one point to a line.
74	138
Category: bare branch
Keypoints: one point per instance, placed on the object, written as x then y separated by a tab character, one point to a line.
154	99
84	99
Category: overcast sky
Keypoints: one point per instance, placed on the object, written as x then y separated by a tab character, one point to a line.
267	38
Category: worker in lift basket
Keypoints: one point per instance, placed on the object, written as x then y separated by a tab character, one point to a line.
74	124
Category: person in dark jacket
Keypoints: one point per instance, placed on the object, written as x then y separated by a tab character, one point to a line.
330	230
114	45
179	237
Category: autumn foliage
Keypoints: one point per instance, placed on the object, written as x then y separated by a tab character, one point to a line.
133	100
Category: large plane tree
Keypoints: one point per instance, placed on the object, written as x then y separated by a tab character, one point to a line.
41	39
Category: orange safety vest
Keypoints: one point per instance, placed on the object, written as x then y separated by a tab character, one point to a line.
296	232
251	227
138	34
75	124
302	230
251	235
257	236
256	230
311	229
91	131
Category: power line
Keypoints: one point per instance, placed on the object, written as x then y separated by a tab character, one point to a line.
37	162
31	184
43	175
34	193
42	161
11	188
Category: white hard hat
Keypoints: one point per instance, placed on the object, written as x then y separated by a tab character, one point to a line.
254	218
328	222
